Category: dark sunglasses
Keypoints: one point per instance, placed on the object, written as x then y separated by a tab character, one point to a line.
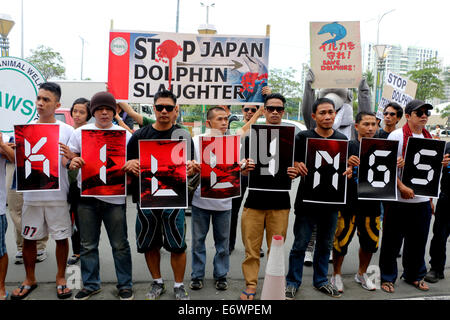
250	109
273	108
160	107
390	113
420	113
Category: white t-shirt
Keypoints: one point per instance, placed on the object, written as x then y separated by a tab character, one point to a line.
75	146
207	204
65	131
398	135
3	179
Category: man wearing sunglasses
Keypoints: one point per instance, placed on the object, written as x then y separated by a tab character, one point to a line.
392	114
409	217
263	210
160	226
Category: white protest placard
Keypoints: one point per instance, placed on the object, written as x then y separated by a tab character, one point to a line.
336	54
20	82
397	89
198	69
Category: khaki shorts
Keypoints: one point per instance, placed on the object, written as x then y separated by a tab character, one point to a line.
40	219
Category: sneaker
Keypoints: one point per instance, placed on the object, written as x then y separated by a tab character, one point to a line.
261	253
73	260
434	276
336	281
290	292
41	256
365	281
308	259
85	294
181	293
196	284
156	291
330	259
126	294
222	284
329	290
19	258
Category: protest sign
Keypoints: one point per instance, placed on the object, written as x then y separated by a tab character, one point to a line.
377	172
37	157
397	89
198	69
326	161
220	175
336	54
163	175
423	166
20	82
104	154
272	149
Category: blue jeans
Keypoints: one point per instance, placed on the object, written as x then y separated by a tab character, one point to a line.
221	232
91	213
303	227
409	222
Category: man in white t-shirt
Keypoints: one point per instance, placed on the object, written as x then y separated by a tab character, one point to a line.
92	211
47	212
6	152
409	217
216	210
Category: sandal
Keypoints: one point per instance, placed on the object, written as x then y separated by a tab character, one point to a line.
248	295
5	297
23	287
63	295
419	284
387	287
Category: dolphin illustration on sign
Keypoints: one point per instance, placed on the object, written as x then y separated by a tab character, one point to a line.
336	30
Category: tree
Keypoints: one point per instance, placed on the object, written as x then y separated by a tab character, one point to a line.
426	76
48	62
282	81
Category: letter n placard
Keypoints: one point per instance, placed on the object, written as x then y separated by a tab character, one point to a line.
163	175
326	160
104	153
37	157
423	166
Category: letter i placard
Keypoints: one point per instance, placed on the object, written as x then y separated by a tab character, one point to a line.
104	154
37	157
163	175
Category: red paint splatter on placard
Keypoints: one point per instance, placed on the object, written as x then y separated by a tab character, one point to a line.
249	79
166	52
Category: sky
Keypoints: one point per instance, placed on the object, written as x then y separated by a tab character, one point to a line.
61	25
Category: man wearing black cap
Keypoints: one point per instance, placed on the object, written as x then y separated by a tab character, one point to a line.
409	217
93	210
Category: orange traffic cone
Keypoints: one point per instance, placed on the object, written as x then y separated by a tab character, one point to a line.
274	280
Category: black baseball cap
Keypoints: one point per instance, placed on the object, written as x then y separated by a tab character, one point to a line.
416	104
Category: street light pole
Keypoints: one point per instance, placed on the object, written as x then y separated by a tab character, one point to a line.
82	56
178	16
6	24
378	25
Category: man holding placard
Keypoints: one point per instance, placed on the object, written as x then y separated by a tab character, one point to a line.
109	209
408	218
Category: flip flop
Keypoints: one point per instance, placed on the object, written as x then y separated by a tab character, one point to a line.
418	284
63	295
24	287
390	286
5	297
251	294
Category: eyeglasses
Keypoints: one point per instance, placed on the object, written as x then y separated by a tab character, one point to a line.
250	109
273	108
390	113
160	108
420	113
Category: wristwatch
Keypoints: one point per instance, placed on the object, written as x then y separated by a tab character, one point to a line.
68	164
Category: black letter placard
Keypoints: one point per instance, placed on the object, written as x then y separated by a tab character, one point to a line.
423	166
377	174
272	149
326	160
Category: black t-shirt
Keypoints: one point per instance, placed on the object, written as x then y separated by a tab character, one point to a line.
353	205
381	134
445	179
148	132
265	200
300	156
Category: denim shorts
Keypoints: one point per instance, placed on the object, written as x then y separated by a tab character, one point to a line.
3	227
